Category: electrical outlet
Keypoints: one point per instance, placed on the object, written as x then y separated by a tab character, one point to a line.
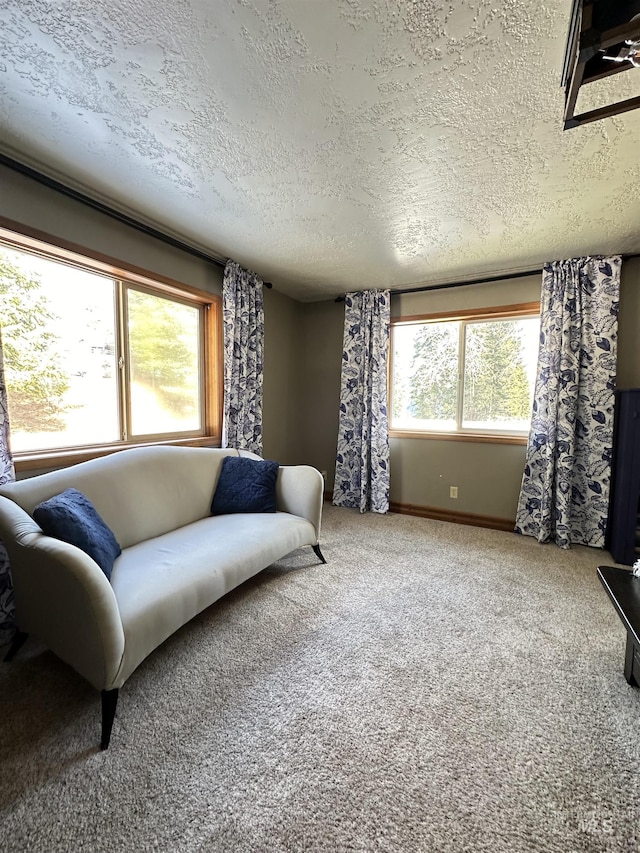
453	491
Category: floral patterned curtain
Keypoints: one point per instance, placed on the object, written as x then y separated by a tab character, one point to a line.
243	316
362	460
565	487
6	474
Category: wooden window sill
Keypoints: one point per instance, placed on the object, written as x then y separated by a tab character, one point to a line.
479	437
71	456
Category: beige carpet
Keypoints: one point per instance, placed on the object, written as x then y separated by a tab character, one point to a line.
433	688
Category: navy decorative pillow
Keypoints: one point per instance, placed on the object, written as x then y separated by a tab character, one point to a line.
245	485
71	517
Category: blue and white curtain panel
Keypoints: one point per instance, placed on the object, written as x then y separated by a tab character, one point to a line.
7	474
362	459
243	318
565	487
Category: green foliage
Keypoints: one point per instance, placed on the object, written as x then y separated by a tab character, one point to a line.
36	383
164	355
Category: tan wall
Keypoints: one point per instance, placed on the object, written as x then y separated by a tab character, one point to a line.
488	476
30	203
319	398
282	366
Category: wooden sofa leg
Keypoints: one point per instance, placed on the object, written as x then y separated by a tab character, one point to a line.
109	702
16	644
318	553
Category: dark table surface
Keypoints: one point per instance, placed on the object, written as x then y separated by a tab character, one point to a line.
623	588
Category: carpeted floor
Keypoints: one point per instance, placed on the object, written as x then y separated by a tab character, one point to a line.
433	688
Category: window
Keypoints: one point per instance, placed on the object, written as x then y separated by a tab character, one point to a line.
467	374
96	356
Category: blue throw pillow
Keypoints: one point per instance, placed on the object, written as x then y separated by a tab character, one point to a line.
71	517
245	485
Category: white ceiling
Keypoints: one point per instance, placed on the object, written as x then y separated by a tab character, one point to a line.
329	145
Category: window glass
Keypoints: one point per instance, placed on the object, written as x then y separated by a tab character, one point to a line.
164	349
425	376
59	353
474	375
499	374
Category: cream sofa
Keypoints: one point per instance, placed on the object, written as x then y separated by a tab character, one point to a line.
176	558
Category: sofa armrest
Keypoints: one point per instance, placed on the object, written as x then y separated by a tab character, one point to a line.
63	598
300	491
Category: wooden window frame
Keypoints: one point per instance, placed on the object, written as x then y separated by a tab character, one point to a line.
19	237
501	312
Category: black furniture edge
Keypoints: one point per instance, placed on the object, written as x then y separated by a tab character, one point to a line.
623	589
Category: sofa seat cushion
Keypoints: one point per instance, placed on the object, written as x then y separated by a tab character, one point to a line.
164	582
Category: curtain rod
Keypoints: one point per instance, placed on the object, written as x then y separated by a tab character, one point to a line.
426	287
78	196
501	277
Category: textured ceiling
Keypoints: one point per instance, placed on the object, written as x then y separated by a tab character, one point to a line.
329	146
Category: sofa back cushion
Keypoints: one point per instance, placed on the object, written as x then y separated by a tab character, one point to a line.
140	493
245	485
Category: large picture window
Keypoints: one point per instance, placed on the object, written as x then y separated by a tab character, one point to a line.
94	358
468	374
